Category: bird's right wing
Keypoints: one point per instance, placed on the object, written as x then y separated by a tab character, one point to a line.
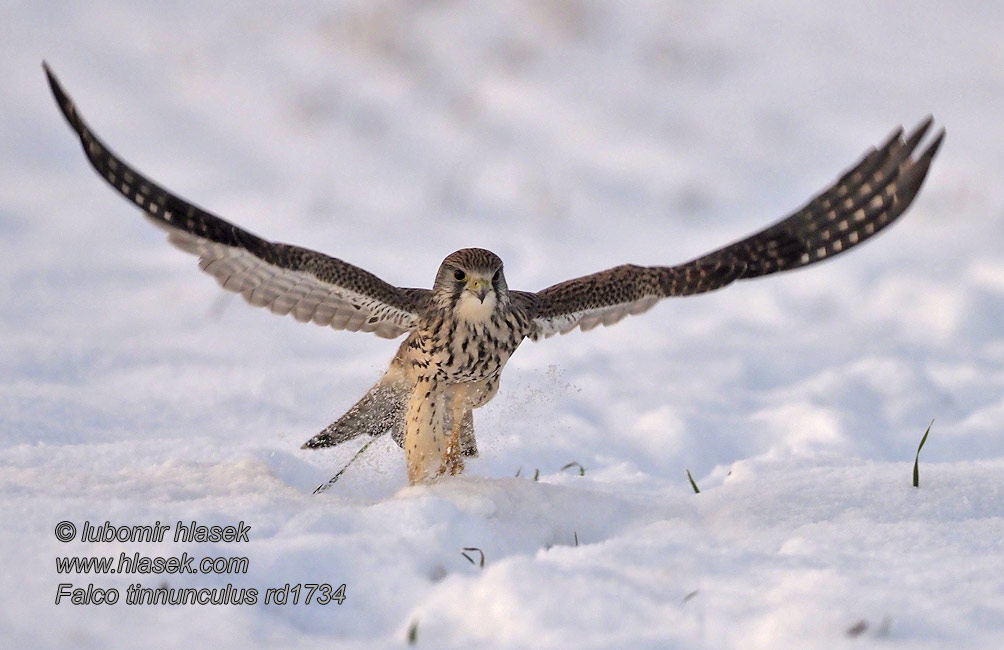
286	279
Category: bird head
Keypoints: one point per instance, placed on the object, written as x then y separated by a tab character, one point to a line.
471	281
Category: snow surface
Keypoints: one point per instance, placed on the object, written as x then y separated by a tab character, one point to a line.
567	136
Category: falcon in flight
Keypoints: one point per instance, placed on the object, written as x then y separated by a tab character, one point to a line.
461	333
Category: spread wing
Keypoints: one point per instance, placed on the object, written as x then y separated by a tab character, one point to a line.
863	201
286	279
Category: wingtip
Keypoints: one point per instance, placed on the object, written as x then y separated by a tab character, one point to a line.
895	137
63	100
57	90
914	176
932	148
919	132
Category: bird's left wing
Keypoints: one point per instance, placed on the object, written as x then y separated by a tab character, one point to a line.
864	200
286	279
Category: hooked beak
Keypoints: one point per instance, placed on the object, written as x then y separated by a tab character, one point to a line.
479	287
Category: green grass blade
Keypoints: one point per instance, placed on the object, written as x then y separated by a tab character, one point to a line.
413	633
470	559
916	460
582	470
692	483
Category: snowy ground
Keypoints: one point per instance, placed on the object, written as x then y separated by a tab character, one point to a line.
568	137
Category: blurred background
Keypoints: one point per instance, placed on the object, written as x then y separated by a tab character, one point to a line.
567	136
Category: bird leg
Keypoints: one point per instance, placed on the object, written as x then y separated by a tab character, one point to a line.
468	445
453	462
425	441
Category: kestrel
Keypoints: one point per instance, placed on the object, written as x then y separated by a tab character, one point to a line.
461	333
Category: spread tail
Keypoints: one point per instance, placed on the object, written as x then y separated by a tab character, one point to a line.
381	409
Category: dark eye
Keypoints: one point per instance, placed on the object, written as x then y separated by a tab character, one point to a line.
498	274
459	275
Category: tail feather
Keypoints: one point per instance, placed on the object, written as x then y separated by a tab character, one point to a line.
379	410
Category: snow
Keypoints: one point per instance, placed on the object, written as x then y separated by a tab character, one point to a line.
566	136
